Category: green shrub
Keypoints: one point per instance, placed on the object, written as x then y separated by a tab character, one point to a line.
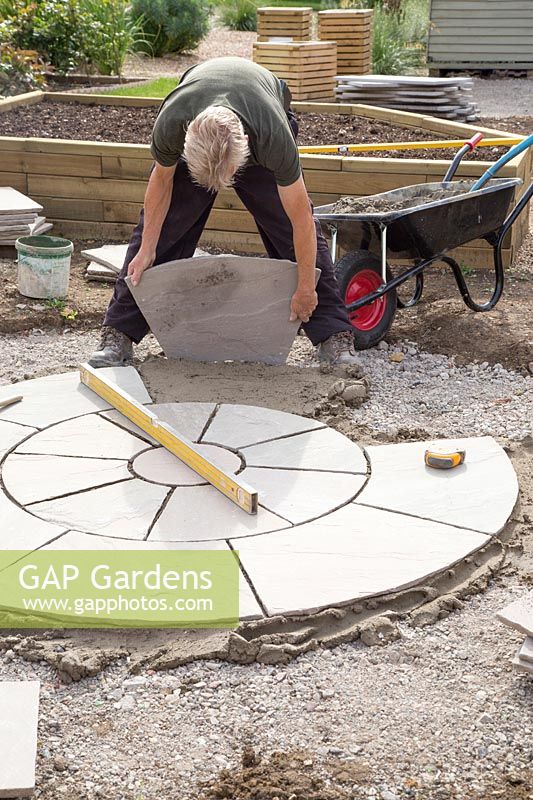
19	71
239	15
400	30
71	33
113	34
170	26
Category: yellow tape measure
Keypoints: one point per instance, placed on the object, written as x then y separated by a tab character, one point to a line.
438	460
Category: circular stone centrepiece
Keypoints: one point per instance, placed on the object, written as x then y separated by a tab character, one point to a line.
160	466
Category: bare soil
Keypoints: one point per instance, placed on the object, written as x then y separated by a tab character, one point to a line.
285	776
521	125
121	124
88	299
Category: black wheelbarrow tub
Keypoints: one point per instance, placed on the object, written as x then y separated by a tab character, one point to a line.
427	228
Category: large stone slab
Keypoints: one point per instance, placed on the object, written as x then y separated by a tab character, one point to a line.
76	540
19	713
33	478
519	615
125	509
479	495
58	397
239	426
218	308
89	436
11	434
14	202
354	552
20	530
202	513
323	449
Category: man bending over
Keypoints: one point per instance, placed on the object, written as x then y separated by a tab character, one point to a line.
229	123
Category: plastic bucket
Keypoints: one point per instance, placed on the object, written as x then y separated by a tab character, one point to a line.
43	266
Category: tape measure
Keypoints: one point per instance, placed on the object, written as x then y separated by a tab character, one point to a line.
438	460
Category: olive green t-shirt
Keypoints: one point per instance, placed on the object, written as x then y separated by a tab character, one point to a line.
253	93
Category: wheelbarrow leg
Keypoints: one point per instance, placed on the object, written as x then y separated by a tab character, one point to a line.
417	294
463	288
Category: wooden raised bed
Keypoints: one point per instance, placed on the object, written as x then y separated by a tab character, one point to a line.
95	190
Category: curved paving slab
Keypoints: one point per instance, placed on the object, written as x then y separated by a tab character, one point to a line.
334	524
207	308
479	494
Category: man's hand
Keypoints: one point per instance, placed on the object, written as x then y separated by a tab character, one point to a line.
138	264
303	304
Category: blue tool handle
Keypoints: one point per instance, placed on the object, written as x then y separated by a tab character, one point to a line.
491	172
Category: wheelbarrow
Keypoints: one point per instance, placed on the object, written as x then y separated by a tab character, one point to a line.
422	231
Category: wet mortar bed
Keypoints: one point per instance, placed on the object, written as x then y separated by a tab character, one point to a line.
120	124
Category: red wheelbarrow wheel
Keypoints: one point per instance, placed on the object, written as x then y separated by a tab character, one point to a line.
359	273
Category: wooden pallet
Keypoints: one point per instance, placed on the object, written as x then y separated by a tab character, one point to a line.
309	68
352	30
294	23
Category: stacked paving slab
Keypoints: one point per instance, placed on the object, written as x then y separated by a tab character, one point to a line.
104	263
352	30
449	98
19	216
519	616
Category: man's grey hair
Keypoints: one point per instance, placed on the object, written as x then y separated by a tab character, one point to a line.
216	147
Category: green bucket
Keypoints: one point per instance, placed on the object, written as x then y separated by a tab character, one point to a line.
43	266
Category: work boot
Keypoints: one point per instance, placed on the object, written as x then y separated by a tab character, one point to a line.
114	350
338	350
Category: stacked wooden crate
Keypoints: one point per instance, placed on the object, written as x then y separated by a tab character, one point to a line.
293	23
352	30
308	68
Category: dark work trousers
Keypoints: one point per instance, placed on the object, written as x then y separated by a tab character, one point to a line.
189	209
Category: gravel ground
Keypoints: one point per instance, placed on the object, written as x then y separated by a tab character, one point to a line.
437	714
499	97
419	390
218	42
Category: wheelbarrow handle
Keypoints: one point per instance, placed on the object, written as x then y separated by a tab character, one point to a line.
466	148
475	140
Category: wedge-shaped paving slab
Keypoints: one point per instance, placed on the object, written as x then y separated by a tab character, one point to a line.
11	434
19	714
189	419
124	509
20	530
59	397
218	308
202	513
89	436
299	496
76	540
526	651
323	449
30	479
519	615
479	495
352	553
238	426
